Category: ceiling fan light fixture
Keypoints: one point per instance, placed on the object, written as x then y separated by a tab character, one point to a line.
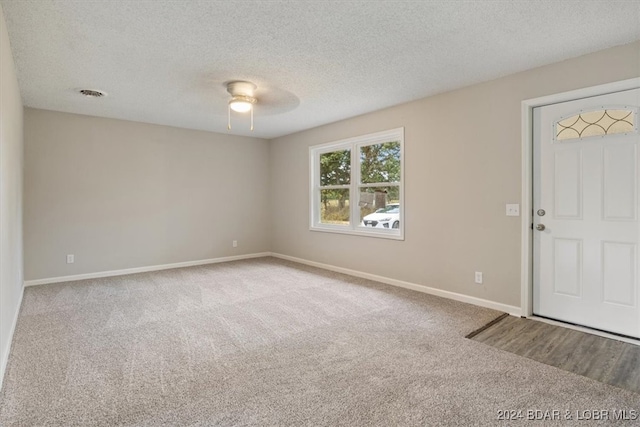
242	99
241	103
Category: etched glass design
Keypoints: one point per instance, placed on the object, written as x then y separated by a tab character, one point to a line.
596	123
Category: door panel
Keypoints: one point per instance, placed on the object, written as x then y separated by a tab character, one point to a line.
567	267
568	183
586	257
620	182
619	273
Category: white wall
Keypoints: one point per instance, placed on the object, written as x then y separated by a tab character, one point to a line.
11	148
120	194
462	165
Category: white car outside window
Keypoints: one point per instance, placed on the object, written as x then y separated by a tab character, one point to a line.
387	217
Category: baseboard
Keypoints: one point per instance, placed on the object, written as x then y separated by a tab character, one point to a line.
513	310
134	270
5	354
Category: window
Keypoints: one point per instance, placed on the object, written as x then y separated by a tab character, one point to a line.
357	185
596	123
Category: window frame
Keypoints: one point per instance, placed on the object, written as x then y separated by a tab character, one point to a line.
354	144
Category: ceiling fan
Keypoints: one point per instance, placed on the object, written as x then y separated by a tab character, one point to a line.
242	97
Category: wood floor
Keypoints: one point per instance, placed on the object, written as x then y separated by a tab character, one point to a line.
602	359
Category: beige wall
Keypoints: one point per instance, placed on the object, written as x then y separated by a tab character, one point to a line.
11	145
463	156
121	194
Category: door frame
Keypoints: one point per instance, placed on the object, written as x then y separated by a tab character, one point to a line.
526	260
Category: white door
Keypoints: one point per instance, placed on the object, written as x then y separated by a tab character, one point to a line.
585	216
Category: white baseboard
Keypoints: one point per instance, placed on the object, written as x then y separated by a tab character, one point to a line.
111	273
7	349
513	310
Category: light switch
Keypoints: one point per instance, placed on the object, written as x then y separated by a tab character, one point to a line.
513	210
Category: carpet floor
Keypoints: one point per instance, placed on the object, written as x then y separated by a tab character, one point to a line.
268	342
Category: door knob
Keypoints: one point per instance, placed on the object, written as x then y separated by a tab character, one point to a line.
540	227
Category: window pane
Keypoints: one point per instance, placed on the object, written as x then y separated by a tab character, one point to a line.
334	206
335	168
595	123
380	163
380	207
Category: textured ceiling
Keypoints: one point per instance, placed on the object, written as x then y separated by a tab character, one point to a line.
314	62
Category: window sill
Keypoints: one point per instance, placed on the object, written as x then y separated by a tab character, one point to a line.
360	231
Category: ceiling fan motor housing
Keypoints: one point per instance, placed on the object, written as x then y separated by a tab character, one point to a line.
241	88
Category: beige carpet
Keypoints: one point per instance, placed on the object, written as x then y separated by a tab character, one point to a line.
267	342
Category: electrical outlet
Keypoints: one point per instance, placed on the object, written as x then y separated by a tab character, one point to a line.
513	210
234	243
479	277
71	259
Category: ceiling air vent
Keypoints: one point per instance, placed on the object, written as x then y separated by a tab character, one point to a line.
90	93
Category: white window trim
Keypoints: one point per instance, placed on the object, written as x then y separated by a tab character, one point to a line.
354	145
